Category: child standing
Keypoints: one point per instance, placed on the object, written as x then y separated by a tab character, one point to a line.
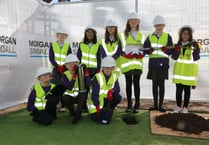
89	52
57	53
73	95
43	109
105	89
111	44
158	61
185	71
132	60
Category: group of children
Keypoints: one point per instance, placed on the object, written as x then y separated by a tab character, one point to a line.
104	60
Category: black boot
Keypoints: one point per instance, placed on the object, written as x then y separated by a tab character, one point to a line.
72	112
129	107
136	107
129	104
154	107
161	109
77	118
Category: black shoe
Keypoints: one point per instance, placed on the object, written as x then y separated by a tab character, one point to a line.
54	116
136	111
76	120
161	109
85	109
72	113
128	110
153	108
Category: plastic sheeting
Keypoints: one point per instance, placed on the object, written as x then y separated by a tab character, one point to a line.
27	27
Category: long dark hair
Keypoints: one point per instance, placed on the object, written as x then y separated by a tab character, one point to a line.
86	40
107	35
190	31
128	29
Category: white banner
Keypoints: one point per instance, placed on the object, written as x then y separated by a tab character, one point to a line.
27	28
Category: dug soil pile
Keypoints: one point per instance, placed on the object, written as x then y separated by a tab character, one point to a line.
188	123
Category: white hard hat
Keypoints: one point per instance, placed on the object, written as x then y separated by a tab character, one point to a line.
90	27
110	22
71	58
42	70
158	20
108	61
62	31
133	15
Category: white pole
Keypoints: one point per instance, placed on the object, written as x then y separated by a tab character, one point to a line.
136	6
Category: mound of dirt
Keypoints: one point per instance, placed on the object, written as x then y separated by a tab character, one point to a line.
189	123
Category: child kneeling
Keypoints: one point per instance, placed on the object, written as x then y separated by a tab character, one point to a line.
105	92
74	94
41	104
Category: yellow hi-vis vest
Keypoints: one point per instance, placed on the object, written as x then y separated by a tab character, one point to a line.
127	64
74	91
185	69
60	53
89	55
110	50
40	100
158	43
104	87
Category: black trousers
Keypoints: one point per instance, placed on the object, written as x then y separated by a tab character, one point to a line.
179	91
47	115
69	102
115	101
158	89
133	79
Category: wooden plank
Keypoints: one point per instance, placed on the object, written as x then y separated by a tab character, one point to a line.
159	130
13	108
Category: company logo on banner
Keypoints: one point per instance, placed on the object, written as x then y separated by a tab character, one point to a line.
205	49
8	46
38	48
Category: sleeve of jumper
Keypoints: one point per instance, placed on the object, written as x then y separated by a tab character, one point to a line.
87	81
69	84
99	58
69	50
147	44
95	92
119	51
196	54
170	43
103	53
175	54
52	57
31	101
116	87
79	54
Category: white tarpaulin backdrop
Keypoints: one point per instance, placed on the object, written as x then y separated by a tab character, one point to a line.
27	27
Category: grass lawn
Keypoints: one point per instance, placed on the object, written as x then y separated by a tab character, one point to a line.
17	129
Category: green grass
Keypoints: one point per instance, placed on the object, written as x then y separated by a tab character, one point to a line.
17	129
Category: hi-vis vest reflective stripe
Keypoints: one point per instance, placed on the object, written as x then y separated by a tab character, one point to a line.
40	101
89	55
157	43
130	40
74	91
60	53
104	87
109	49
127	64
185	69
